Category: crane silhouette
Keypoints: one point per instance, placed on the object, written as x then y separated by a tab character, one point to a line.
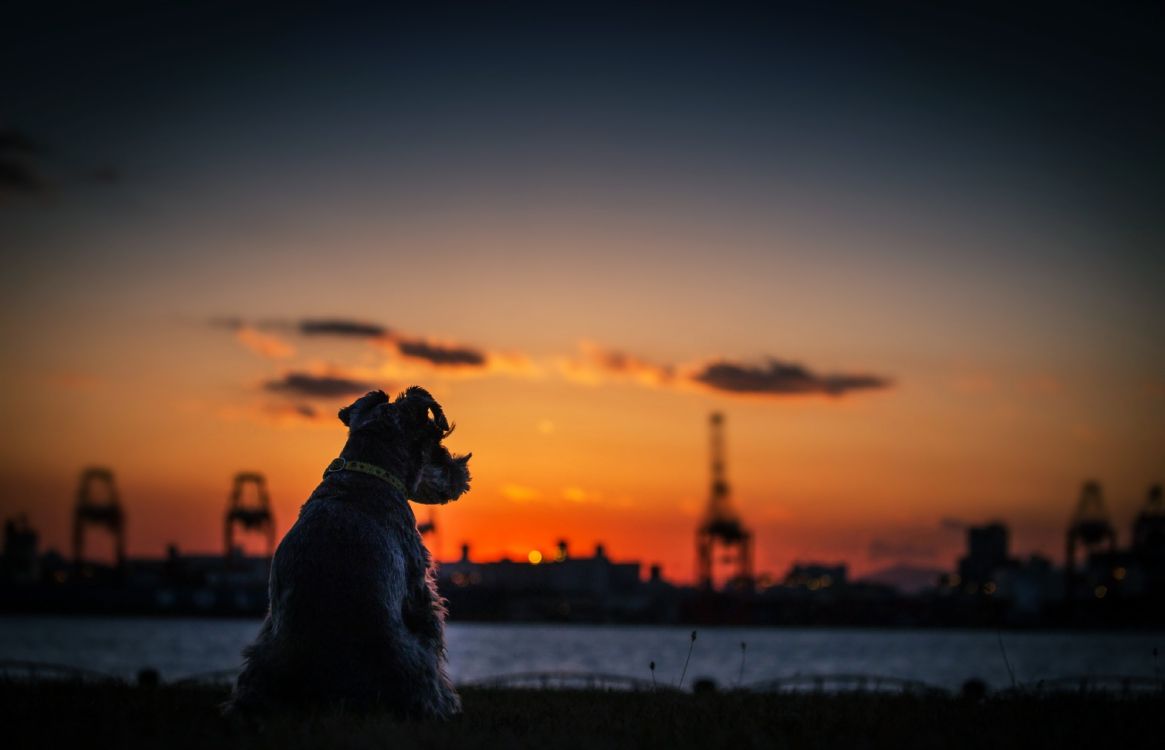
721	526
252	516
105	512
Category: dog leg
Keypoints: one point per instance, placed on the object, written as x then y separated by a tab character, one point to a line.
252	691
424	616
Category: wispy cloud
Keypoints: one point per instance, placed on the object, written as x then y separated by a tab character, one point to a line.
279	414
317	386
440	355
434	353
342	327
264	344
18	174
596	364
777	378
415	356
24	164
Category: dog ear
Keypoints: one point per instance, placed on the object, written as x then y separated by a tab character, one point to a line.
360	410
417	403
443	480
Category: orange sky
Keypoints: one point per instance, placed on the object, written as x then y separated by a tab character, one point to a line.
921	278
567	448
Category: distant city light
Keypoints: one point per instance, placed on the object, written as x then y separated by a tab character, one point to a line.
989	588
1100	591
534	557
1119	574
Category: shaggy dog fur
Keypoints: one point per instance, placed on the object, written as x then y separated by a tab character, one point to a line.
355	619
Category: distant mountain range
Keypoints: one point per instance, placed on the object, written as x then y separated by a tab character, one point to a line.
909	579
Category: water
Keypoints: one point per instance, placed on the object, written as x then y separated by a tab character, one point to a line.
945	658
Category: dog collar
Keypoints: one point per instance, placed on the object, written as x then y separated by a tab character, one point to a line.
343	464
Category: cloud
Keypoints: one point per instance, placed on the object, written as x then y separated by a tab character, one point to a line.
264	344
17	172
305	410
437	354
441	355
341	327
591	365
595	364
458	359
781	379
279	414
22	166
514	364
317	386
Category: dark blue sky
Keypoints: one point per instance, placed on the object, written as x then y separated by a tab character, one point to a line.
816	89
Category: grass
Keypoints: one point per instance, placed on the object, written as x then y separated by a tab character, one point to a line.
83	716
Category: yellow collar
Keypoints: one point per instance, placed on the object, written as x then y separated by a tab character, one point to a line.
343	464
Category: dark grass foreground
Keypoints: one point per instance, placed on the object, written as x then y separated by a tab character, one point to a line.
87	716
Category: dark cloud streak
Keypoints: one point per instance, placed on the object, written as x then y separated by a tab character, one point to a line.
779	379
17	173
341	327
317	386
441	356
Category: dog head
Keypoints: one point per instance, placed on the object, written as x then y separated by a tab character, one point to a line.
402	434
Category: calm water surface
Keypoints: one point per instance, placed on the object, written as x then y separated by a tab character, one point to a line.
178	648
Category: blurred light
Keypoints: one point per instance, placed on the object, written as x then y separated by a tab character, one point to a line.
1100	591
989	588
534	557
1119	573
826	581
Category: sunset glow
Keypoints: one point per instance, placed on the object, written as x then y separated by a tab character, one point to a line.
915	311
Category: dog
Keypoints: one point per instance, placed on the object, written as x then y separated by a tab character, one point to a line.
355	620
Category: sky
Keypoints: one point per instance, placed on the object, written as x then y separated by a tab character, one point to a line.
913	255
